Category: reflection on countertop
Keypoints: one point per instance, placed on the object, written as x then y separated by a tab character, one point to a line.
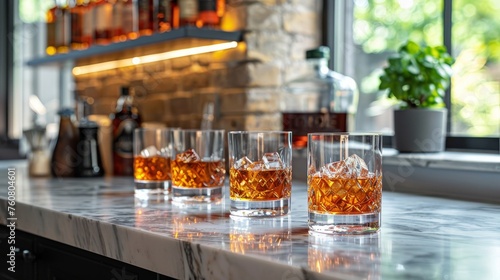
421	237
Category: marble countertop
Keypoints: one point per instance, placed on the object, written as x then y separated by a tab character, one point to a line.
421	237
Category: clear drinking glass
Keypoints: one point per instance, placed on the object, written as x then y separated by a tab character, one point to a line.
198	166
152	156
344	179
260	173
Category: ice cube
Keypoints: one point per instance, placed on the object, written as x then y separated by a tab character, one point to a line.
188	156
166	151
337	169
150	151
255	166
272	161
242	163
357	166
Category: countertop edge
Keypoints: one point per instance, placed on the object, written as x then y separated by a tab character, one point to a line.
149	250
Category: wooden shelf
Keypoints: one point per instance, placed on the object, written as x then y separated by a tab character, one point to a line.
175	34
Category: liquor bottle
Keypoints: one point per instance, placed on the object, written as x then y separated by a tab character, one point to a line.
50	21
221	8
321	100
103	12
207	15
81	25
63	29
58	23
129	19
125	119
174	8
164	16
146	19
117	34
65	159
188	12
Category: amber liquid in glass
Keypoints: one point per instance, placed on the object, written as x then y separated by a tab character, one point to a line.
151	168
260	185
198	174
360	195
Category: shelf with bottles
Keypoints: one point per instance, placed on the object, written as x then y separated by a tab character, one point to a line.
174	34
79	29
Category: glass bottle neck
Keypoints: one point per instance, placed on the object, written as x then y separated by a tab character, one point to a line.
124	102
319	65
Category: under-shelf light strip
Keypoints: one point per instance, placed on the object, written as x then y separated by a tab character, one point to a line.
91	68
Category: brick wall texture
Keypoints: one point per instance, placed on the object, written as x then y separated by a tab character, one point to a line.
242	83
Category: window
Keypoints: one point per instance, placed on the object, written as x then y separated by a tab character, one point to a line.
364	33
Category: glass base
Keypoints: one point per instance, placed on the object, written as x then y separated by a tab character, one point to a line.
345	224
146	189
272	208
196	195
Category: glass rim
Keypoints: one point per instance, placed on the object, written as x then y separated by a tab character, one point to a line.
345	133
199	130
234	132
153	128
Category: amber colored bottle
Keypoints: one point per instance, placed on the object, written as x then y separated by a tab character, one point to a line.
65	159
125	119
207	15
146	19
164	16
174	9
188	12
63	29
117	33
81	25
130	26
103	19
58	29
50	21
221	8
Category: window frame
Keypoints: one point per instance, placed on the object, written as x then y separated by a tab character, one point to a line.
9	145
335	16
5	66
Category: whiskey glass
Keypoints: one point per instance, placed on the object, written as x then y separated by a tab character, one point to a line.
344	182
260	173
152	156
198	165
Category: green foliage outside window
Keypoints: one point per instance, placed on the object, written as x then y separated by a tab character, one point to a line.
384	25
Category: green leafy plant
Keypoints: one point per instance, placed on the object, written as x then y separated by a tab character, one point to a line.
418	76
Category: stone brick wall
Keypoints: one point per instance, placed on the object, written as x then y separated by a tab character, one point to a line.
242	83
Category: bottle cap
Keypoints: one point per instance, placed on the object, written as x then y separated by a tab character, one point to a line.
65	112
125	91
207	5
86	123
320	52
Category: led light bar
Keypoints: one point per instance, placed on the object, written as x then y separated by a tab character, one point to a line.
98	67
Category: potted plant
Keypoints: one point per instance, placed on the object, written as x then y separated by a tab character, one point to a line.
418	76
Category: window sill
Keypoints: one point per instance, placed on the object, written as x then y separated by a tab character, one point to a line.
458	175
445	160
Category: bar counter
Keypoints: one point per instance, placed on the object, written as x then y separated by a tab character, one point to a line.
421	237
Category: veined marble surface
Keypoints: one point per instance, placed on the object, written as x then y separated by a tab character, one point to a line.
421	237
